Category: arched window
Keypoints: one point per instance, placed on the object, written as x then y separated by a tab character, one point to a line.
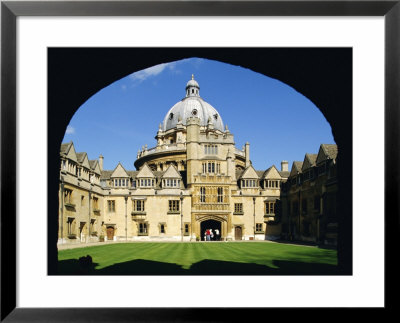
220	195
202	194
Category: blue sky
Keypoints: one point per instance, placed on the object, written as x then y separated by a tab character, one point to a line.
278	122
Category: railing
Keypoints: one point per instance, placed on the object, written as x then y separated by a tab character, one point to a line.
165	147
239	152
212	178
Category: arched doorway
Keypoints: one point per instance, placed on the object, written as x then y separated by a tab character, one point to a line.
210	224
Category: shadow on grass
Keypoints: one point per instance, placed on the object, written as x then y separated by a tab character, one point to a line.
205	267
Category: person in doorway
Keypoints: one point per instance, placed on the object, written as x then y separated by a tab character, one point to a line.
217	234
212	234
208	235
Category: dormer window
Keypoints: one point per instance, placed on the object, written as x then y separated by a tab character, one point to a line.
272	183
171	116
249	183
171	182
146	182
121	182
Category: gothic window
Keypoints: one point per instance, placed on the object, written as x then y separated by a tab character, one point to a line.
111	206
138	205
269	207
173	205
220	195
143	228
71	226
67	196
239	208
95	203
210	149
202	194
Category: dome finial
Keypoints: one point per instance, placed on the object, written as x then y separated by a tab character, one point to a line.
192	76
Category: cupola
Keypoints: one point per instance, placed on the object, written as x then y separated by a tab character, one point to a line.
192	88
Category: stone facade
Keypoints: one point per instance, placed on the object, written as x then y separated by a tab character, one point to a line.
192	180
309	198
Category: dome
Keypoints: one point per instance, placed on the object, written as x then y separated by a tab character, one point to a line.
192	106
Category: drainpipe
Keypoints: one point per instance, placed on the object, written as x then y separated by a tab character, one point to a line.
126	218
254	213
62	209
90	202
300	206
181	198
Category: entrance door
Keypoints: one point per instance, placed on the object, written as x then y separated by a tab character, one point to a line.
110	233
238	233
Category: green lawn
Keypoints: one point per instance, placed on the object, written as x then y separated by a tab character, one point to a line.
215	258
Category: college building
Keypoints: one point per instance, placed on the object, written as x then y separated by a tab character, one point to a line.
195	179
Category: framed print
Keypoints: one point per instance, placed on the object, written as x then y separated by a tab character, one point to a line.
74	73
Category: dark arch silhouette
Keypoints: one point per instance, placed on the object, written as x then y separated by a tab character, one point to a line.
323	75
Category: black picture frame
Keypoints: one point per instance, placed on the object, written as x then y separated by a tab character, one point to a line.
10	10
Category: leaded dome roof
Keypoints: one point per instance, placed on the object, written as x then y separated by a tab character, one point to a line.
192	106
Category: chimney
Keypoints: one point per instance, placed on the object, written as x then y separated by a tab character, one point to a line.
284	166
247	154
101	160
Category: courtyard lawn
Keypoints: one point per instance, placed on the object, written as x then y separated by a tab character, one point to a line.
201	258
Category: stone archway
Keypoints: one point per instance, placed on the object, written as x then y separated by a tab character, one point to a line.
213	222
210	224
